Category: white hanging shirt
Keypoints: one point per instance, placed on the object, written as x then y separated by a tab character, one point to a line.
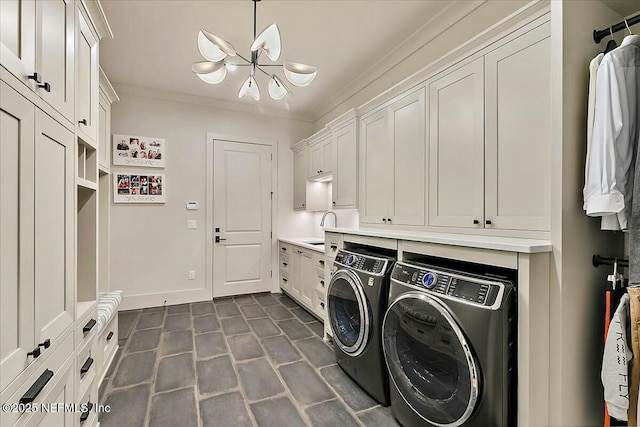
609	186
615	369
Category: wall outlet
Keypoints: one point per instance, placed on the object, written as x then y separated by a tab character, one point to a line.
192	275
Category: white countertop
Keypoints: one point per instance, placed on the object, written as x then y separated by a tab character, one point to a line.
509	244
305	242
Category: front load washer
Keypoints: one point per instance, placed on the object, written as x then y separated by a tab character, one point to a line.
357	300
449	345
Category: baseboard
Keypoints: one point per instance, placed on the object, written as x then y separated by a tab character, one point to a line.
133	302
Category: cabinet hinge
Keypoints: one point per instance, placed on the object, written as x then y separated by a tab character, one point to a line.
271	273
272	157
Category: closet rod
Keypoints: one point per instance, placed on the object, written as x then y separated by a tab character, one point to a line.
597	261
599	35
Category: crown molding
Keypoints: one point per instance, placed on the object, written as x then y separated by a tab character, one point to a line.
454	12
107	87
98	18
207	102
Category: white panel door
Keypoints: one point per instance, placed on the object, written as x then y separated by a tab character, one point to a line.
409	146
242	212
308	278
315	160
299	180
518	133
327	156
17	124
55	53
54	187
456	151
376	162
18	38
344	167
87	76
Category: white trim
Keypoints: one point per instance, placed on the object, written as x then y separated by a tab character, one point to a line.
181	296
98	18
209	102
209	223
107	88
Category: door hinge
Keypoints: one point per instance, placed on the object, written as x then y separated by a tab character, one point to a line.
272	195
271	273
271	234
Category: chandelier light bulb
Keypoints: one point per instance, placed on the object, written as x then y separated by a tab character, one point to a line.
299	74
277	89
269	42
213	48
251	87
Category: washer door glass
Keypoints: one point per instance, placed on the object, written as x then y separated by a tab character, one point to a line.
348	312
429	360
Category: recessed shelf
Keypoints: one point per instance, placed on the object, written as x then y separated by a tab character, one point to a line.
87	244
86	184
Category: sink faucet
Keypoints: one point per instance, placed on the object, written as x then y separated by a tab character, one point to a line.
335	218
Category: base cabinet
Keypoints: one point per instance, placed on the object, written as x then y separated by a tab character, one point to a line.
302	277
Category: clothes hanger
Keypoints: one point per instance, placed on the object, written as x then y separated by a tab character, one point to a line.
615	278
611	44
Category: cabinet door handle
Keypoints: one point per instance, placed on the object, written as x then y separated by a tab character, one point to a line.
85	414
46	344
37	387
285	264
389	220
284	280
87	365
334	247
35	353
476	222
284	249
83	122
488	222
322	282
384	219
321	261
322	304
46	86
89	326
110	336
35	76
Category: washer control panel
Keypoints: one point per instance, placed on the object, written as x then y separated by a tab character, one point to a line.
453	285
361	262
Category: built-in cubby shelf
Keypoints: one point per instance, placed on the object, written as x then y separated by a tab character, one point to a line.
104	185
87	238
87	162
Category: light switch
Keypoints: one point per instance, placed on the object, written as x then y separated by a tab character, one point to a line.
192	224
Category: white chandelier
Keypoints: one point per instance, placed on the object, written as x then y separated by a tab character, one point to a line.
216	52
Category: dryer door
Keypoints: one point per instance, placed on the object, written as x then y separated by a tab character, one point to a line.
429	360
349	313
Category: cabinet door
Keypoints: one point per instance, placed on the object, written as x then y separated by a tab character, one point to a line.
456	152
296	274
518	133
54	188
376	174
17	124
55	53
409	149
299	180
344	167
315	160
104	132
308	278
327	156
18	38
87	80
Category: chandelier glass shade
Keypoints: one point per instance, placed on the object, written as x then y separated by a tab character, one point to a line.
217	52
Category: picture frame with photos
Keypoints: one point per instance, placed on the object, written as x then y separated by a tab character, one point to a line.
132	187
139	151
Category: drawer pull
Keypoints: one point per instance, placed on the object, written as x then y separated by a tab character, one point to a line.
284	280
322	283
37	387
85	414
285	264
35	353
89	326
322	304
46	343
87	365
321	261
83	122
110	336
284	249
46	86
35	76
334	247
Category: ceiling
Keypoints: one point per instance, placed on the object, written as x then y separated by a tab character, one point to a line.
155	43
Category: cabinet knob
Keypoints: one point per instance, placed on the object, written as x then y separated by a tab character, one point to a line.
35	76
389	220
46	86
476	222
303	205
333	203
83	122
384	219
488	222
334	247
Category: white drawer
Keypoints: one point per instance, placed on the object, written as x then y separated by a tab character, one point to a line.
107	345
87	366
87	326
285	264
87	414
318	261
284	248
51	383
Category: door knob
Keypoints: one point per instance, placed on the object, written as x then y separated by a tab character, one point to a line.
218	239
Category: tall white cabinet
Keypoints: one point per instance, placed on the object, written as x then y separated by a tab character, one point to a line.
392	162
49	206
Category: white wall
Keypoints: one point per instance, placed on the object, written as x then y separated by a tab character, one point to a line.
151	248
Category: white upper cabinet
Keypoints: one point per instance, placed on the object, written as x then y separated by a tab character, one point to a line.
518	133
456	138
36	45
54	53
87	80
407	130
320	157
490	139
392	161
344	166
107	96
375	168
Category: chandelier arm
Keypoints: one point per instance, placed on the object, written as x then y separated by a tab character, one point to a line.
270	65
260	68
243	58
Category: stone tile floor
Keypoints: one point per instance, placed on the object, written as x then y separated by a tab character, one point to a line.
253	360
